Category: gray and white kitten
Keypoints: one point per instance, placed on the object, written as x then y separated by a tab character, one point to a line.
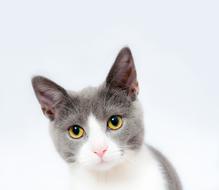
100	133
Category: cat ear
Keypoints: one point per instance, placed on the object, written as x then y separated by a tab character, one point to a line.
123	74
49	95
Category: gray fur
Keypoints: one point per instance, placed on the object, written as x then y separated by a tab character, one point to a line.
116	96
102	102
170	174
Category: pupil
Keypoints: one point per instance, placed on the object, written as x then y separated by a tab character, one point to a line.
115	121
76	130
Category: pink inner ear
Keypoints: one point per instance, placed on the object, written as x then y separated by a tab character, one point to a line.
129	78
131	75
47	104
45	99
50	113
123	74
134	89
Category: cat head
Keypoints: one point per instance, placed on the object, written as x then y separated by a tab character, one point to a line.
96	128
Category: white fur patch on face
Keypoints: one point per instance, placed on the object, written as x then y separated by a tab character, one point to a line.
99	152
140	170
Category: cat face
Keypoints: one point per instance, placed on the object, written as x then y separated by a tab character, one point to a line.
95	128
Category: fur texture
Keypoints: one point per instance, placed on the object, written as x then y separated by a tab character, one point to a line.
104	158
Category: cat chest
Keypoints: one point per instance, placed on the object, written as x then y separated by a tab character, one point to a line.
125	186
140	181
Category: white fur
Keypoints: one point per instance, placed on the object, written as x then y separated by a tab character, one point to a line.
128	172
97	140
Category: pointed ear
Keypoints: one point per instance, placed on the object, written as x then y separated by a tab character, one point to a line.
49	95
123	74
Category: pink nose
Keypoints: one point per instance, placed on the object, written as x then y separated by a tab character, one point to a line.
101	152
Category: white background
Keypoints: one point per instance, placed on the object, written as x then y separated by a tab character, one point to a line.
175	45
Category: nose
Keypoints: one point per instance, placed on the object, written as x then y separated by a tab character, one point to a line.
101	152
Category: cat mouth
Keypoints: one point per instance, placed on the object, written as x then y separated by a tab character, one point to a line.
102	161
105	164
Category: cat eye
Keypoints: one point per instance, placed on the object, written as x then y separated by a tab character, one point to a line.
115	122
76	131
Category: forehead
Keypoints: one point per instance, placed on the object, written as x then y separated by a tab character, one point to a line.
101	102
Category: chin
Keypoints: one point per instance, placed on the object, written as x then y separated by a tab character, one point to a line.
106	166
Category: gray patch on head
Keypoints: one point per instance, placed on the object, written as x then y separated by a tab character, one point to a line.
102	102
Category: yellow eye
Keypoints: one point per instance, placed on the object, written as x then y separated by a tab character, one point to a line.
115	122
76	131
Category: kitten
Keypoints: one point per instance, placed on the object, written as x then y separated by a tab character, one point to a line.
100	133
